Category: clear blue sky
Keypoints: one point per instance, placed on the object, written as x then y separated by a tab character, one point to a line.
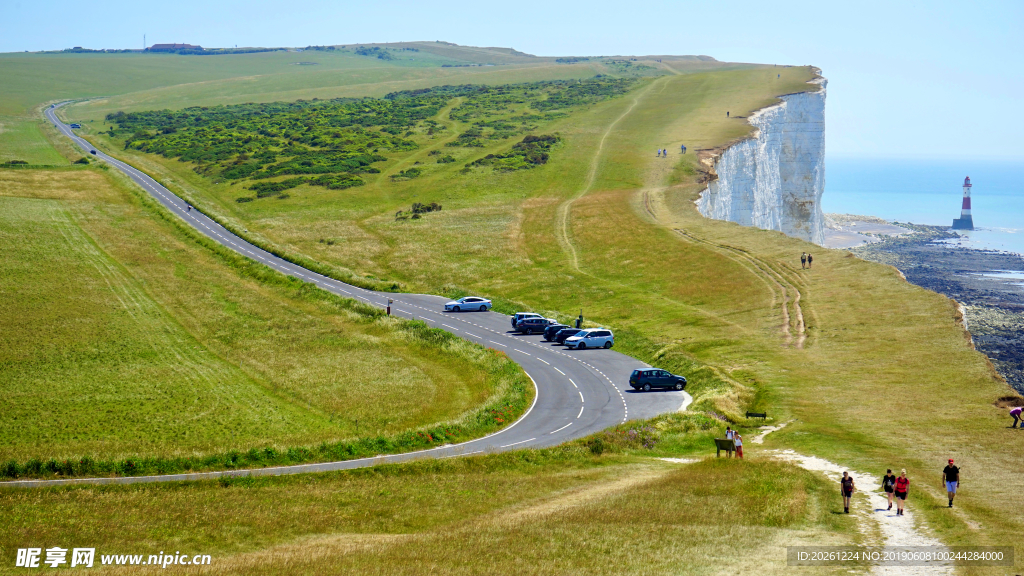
905	78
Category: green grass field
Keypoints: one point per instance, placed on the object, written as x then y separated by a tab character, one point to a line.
23	139
557	511
124	338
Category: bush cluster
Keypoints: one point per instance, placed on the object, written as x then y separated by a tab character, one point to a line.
531	151
417	211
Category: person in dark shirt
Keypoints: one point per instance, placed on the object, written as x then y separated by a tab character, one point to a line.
951	476
888	484
902	486
846	487
810	260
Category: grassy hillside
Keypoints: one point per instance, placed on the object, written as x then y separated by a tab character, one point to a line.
864	363
871	372
124	337
557	511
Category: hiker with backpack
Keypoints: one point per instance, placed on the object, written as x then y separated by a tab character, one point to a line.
902	486
889	485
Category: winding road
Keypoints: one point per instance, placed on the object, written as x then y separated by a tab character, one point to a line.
578	392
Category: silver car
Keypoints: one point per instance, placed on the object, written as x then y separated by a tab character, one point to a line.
591	338
468	303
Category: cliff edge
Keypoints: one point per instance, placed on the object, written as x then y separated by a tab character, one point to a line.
775	178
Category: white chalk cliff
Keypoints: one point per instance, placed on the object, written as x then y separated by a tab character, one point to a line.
775	178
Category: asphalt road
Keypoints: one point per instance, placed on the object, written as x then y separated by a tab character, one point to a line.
579	392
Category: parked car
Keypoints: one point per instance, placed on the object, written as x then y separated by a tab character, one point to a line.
565	333
76	125
591	338
520	315
645	379
468	303
533	325
551	330
92	152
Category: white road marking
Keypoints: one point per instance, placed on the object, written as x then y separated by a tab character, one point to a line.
562	428
580	414
559	371
574	384
515	443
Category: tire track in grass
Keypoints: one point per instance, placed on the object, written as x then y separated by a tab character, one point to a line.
564	209
783	287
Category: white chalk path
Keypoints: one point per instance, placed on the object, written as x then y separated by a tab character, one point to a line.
896	530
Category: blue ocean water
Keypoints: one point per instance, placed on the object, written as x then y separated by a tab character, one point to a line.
930	192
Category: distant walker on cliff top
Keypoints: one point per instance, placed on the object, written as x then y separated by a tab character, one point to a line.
965	221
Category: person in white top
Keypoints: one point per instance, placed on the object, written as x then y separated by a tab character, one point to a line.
728	433
738	440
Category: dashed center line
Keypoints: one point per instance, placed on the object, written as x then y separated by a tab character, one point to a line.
560	429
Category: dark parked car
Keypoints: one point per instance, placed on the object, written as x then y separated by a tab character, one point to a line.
533	325
551	330
520	315
564	333
92	152
648	378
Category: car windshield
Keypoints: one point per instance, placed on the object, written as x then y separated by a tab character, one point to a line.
581	334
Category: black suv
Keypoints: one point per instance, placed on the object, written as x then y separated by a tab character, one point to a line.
532	325
647	378
551	330
564	333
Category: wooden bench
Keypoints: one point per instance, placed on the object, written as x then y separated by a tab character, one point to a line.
761	415
724	444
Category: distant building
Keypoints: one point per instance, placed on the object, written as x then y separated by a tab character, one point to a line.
172	47
965	221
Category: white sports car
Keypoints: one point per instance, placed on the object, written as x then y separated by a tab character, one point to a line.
468	303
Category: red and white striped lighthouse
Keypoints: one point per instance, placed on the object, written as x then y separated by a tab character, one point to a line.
965	221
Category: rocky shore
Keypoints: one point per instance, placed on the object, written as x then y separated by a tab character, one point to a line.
988	284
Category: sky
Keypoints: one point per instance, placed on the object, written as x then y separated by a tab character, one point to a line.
906	79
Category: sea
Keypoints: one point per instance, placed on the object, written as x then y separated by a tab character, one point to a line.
931	192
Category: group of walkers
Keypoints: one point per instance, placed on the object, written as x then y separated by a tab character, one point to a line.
663	152
898	486
737	440
806	260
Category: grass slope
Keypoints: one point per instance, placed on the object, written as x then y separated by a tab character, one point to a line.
556	511
125	338
877	374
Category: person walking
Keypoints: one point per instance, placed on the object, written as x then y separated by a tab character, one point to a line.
803	260
189	208
951	476
726	113
846	487
729	433
1015	412
810	259
889	484
659	152
738	441
902	485
683	148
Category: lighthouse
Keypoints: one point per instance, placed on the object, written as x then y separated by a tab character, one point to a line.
965	222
